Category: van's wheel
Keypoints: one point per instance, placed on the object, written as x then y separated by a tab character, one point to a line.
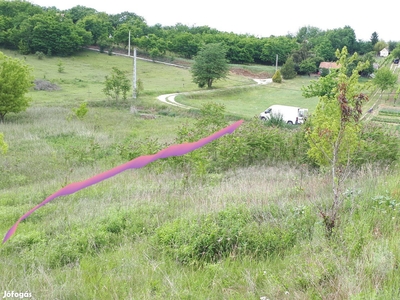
290	122
262	118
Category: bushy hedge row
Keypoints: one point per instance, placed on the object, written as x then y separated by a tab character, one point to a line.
254	142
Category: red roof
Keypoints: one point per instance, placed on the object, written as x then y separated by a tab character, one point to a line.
328	65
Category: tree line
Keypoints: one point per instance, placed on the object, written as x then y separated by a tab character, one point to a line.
31	28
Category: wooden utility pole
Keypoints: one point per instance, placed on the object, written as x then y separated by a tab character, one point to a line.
129	44
134	73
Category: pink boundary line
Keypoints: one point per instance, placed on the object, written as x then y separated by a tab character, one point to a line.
139	162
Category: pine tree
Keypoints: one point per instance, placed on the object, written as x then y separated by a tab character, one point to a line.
277	78
288	69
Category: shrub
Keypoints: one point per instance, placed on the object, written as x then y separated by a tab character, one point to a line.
275	120
324	72
232	232
40	55
277	78
378	145
81	111
60	66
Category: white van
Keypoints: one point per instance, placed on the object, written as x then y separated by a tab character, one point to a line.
289	114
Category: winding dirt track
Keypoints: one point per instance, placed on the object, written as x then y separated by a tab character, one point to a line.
170	98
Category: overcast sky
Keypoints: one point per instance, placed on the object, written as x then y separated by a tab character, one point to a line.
257	17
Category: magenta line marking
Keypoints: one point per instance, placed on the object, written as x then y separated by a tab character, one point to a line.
139	162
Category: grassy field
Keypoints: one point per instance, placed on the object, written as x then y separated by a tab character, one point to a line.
113	240
251	101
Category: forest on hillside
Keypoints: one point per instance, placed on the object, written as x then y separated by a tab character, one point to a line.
31	28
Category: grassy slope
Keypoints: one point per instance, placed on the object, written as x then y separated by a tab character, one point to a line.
47	151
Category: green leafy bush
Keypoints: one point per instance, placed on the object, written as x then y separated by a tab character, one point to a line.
253	142
232	232
40	55
378	146
60	66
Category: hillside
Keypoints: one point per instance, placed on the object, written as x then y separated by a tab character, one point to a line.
193	227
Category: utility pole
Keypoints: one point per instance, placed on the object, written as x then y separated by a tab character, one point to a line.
129	44
133	109
276	63
134	73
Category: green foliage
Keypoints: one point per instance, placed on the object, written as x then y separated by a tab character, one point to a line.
280	45
98	25
154	53
139	87
62	37
110	51
130	150
334	125
61	67
324	49
233	232
275	120
40	55
379	146
384	79
333	131
288	69
253	142
308	66
210	65
116	85
374	38
3	144
379	46
81	111
15	81
396	52
277	78
104	42
324	72
389	112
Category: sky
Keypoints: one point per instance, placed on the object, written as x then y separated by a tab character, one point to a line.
261	18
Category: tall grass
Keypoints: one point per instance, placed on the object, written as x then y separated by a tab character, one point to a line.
110	241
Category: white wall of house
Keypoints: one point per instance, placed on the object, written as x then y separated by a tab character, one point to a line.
384	52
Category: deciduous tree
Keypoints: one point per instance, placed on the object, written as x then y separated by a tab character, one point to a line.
117	84
384	79
15	81
210	65
379	46
333	131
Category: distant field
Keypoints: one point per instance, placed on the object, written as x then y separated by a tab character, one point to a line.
84	74
251	101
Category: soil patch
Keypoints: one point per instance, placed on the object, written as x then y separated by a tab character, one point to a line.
247	73
44	85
